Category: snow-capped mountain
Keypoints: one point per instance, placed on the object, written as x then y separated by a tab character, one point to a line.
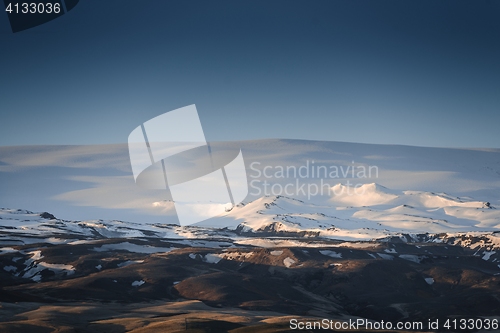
374	213
371	212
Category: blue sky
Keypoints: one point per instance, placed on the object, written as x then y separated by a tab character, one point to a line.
420	73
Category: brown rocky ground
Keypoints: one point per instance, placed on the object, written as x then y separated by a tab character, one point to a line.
245	289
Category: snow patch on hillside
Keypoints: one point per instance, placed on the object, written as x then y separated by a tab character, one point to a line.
288	262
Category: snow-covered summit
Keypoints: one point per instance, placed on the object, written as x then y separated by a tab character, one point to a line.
369	211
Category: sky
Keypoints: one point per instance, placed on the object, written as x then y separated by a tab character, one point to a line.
423	73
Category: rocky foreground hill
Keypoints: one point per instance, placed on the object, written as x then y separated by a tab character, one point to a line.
113	276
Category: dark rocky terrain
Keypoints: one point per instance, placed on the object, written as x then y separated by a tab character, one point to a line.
147	284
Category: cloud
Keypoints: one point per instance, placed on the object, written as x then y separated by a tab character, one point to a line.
118	192
84	157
